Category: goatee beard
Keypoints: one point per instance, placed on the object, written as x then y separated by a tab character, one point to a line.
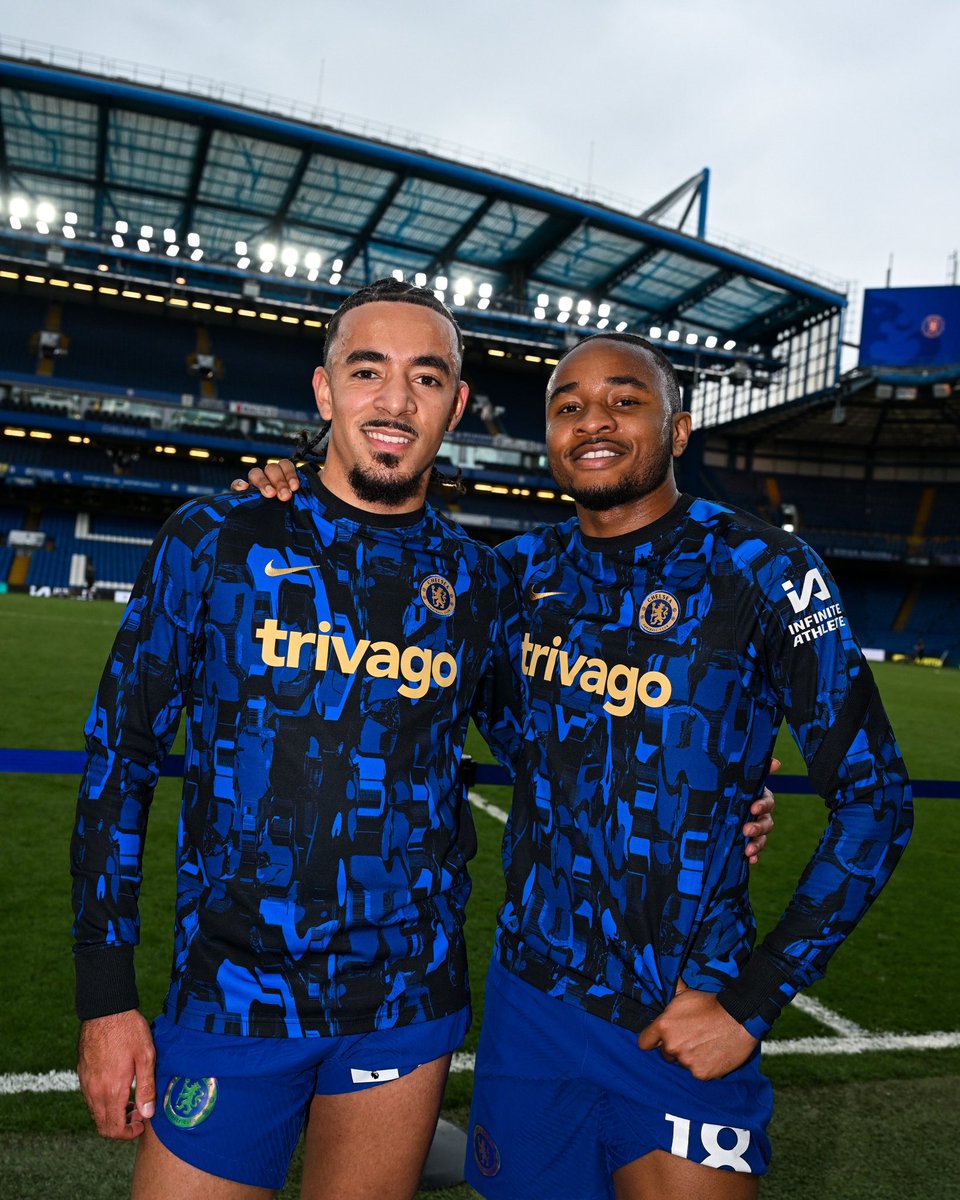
601	498
383	489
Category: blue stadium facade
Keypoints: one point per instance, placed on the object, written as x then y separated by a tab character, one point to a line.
168	262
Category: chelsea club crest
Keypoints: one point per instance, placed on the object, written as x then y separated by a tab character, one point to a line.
438	595
659	612
188	1102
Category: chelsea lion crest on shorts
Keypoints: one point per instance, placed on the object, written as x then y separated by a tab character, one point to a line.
438	595
659	612
485	1152
189	1101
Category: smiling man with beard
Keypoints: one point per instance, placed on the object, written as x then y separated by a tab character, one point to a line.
329	655
665	639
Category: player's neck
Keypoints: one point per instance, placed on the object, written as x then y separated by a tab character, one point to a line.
626	518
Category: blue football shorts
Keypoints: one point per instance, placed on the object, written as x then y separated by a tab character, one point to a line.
562	1099
235	1106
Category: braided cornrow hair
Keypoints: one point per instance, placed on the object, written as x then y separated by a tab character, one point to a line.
309	447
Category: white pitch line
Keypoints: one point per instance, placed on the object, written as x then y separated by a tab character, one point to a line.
52	1081
66	1081
826	1016
941	1040
477	801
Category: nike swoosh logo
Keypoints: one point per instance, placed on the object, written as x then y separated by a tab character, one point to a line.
543	595
270	569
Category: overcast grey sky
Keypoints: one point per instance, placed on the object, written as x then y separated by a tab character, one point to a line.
830	127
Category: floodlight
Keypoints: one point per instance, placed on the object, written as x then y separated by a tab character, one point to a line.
603	310
289	256
312	260
243	262
539	312
673	335
173	250
266	266
485	290
397	274
19	207
241	248
193	239
442	282
730	345
483	302
710	342
583	307
459	298
121	227
602	323
290	270
43	227
143	245
117	241
440	294
335	278
312	275
268	252
16	223
583	319
691	339
543	300
146	231
45	212
563	315
196	254
656	331
464	286
337	265
565	303
170	235
621	327
69	231
420	279
69	218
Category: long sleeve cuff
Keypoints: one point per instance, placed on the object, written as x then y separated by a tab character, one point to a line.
106	982
758	994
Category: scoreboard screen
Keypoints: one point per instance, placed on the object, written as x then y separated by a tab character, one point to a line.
910	327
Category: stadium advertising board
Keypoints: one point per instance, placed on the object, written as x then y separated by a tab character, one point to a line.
907	327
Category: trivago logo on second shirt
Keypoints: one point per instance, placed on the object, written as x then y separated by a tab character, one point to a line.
622	686
416	666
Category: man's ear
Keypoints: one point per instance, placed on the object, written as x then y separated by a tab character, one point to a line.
459	405
682	424
321	392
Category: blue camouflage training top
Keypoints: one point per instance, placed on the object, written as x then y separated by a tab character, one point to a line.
328	661
659	667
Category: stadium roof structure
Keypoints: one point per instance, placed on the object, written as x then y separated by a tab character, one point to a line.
188	191
872	417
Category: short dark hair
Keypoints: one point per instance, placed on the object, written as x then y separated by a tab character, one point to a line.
390	290
309	443
668	373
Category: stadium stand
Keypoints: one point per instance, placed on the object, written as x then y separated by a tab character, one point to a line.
210	348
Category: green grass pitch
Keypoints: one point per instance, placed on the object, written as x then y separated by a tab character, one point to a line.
875	1125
